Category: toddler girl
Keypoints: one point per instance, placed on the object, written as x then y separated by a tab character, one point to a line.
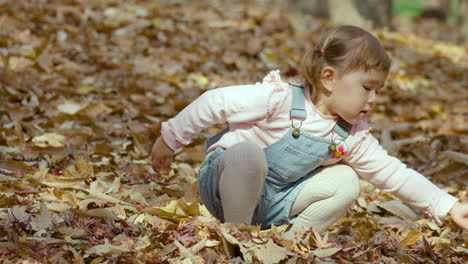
292	153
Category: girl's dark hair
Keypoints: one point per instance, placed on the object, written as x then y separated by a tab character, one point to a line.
346	48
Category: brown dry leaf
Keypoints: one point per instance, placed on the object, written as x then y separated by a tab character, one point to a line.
106	249
142	243
105	81
18	64
321	242
68	180
187	254
269	252
83	205
105	197
72	232
82	166
18	213
399	209
164	214
43	220
99	212
325	252
97	110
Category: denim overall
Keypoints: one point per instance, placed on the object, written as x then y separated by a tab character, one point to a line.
291	160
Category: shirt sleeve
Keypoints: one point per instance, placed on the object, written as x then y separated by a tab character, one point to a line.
232	104
374	164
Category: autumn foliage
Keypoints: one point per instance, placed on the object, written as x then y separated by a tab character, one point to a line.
85	85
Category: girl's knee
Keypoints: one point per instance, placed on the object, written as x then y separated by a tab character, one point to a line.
245	152
348	181
245	157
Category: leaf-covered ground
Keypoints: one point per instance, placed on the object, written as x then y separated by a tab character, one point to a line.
85	85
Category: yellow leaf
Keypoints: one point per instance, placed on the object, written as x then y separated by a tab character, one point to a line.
82	165
175	207
164	214
60	184
139	219
97	260
19	63
411	238
199	78
85	89
59	206
106	197
186	253
212	243
49	140
199	246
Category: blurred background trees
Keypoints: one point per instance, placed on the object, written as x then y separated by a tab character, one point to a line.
447	18
443	20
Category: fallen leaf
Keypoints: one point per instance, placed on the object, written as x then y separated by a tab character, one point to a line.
49	140
270	252
43	220
325	252
399	209
106	249
411	238
70	107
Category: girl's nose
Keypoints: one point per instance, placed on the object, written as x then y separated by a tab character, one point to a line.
372	97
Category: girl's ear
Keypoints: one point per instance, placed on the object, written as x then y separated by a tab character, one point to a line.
328	77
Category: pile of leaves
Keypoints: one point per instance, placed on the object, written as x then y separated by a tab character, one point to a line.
85	85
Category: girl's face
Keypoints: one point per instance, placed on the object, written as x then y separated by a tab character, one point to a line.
353	94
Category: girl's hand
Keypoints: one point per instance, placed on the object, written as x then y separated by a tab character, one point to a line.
459	213
161	155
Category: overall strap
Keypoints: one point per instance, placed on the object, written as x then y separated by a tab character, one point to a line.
298	111
342	128
298	102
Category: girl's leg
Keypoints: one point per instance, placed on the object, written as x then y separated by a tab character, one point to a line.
325	197
242	170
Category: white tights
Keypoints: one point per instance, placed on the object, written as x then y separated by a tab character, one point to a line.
324	198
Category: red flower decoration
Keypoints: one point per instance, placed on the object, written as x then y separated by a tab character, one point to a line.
339	152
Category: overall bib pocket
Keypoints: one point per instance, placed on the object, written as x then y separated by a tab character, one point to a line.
292	164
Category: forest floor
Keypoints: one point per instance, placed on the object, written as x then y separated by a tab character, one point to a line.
85	85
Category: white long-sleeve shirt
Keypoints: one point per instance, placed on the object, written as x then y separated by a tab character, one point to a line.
259	113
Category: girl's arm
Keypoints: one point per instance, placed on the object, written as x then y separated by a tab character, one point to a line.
389	174
233	104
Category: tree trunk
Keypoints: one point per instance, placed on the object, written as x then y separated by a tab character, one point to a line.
462	20
436	9
363	13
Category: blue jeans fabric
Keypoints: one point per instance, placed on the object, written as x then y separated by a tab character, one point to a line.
291	160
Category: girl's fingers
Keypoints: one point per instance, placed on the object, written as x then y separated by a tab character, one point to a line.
462	221
156	167
167	162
